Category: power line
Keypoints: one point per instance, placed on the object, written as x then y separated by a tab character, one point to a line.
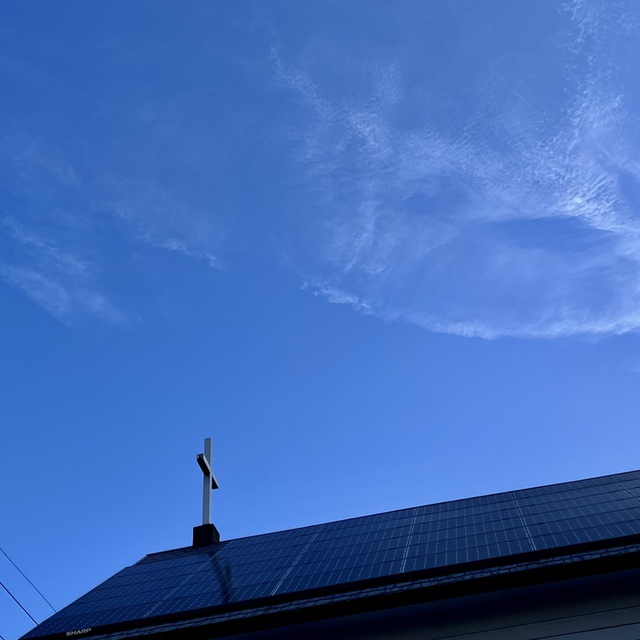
27	579
18	602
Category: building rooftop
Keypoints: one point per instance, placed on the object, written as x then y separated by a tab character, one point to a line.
378	556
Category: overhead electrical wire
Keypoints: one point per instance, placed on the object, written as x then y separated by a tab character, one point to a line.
18	602
27	579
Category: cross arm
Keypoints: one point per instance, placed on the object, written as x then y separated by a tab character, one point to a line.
206	469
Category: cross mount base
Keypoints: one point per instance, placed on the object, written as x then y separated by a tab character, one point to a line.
205	535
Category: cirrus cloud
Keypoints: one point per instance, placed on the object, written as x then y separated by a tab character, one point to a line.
500	203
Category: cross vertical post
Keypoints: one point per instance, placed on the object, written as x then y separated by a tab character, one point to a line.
209	481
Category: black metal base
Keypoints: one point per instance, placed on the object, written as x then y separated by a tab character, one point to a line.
205	535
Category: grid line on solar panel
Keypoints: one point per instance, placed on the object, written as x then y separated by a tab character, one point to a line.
115	601
461	516
167	596
295	562
572	521
587	534
124	590
412	535
179	556
585	498
186	603
568	519
166	568
210	585
610	530
633	482
175	554
626	475
632	488
633	492
165	576
452	527
365	533
274	559
614	494
467	554
548	494
615	528
63	623
258	577
557	540
469	543
586	508
119	614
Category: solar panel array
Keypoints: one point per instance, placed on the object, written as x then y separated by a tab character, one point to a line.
393	544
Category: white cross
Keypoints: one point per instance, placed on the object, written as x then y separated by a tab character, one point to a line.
209	480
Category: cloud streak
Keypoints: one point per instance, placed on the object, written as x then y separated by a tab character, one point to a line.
507	211
60	282
62	218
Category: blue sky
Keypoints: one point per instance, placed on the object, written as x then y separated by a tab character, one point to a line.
384	253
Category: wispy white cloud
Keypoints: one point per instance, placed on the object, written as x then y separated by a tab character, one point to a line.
63	300
59	281
54	248
159	220
512	214
171	244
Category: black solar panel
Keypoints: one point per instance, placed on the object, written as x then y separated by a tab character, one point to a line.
391	544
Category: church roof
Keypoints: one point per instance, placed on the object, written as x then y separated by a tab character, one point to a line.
378	556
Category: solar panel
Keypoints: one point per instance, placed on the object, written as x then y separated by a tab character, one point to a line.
393	544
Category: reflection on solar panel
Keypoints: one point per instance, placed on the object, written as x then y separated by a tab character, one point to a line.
388	545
